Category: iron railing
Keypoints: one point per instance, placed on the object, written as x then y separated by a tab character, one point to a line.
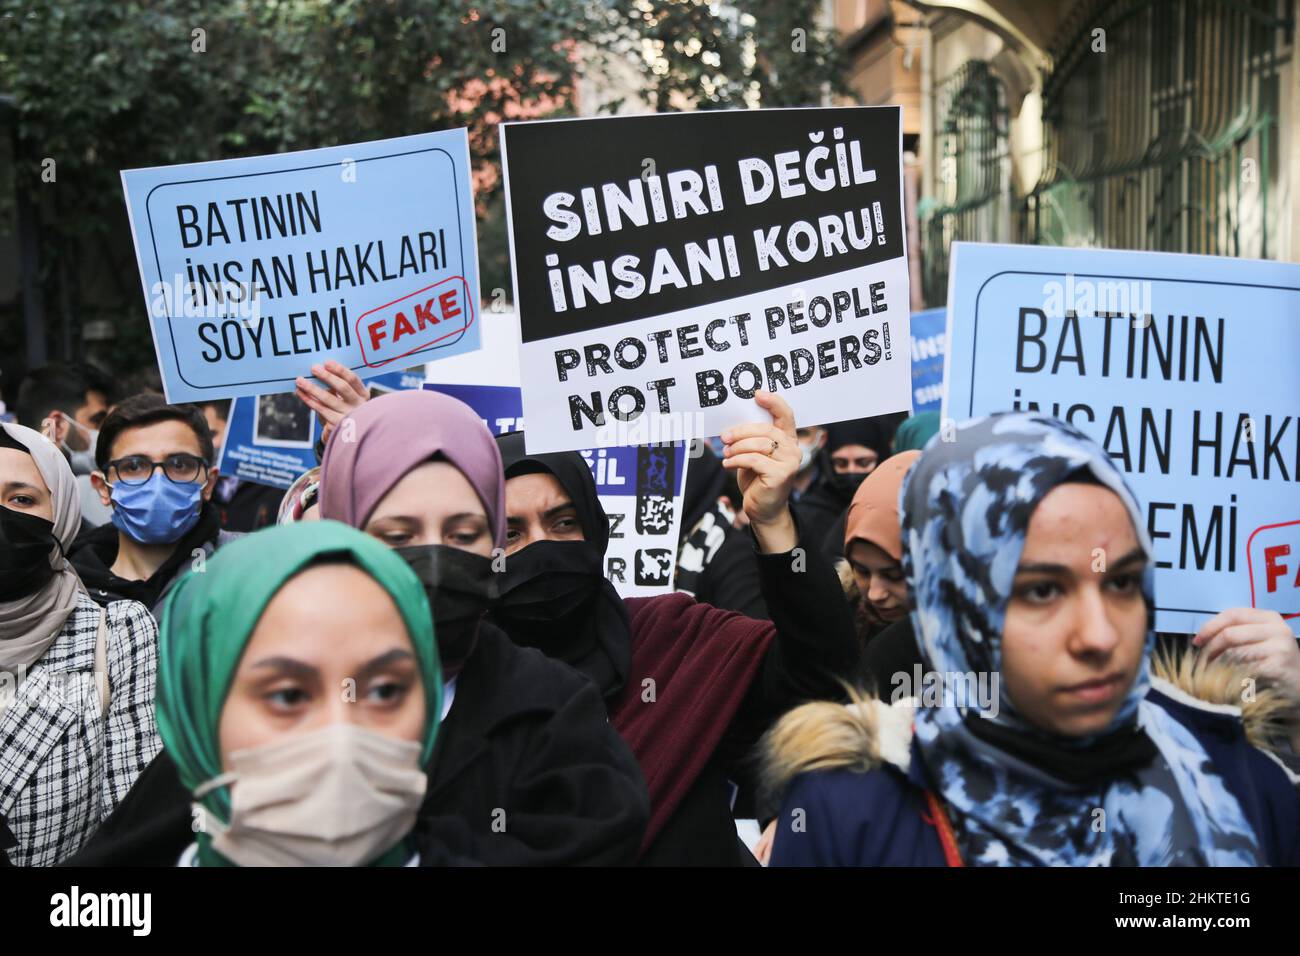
1166	139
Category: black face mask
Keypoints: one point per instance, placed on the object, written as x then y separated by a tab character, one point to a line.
546	594
25	544
459	585
846	483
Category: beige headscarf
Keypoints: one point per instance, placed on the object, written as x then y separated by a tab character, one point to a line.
29	625
873	515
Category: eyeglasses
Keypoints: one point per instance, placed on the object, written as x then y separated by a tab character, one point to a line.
180	468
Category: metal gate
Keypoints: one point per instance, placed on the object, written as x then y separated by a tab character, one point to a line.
1161	128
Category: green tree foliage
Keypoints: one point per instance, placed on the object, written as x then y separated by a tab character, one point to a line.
100	87
700	55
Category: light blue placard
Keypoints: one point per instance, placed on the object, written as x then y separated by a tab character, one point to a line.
929	330
1196	347
255	269
271	439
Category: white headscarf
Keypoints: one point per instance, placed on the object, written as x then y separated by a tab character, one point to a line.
29	625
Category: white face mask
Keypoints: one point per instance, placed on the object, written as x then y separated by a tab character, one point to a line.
339	796
806	453
82	462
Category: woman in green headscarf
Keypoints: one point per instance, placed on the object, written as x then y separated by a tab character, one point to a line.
913	434
299	694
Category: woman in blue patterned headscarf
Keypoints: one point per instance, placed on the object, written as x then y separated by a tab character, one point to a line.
967	507
1030	570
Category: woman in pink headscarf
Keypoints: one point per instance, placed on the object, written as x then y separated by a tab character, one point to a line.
526	761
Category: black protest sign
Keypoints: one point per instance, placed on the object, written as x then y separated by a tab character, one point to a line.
667	267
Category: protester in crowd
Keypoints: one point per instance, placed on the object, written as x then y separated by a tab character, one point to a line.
733	502
873	549
690	687
715	561
302	501
852	451
217	414
69	394
285	770
155	470
147	378
242	505
1001	532
526	737
76	682
67	403
343	391
914	432
873	552
527	769
812	440
1263	643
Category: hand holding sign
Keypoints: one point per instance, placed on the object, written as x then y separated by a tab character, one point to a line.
1259	638
346	393
766	458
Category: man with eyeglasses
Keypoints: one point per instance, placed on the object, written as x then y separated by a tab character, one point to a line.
155	471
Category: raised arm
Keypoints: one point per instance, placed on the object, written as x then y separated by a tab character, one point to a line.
815	647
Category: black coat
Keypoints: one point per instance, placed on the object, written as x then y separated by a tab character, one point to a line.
528	764
7	841
249	507
888	652
813	652
93	552
818	512
526	770
730	581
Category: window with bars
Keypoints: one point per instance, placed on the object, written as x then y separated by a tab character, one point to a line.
971	172
1161	128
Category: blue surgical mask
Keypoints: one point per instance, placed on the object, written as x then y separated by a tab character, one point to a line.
159	511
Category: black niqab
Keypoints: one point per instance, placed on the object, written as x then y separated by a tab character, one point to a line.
596	638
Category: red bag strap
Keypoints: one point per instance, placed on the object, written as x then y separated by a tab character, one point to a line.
939	820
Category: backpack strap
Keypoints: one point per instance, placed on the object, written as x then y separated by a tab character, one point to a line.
939	820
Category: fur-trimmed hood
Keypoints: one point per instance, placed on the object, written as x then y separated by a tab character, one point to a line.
848	584
868	732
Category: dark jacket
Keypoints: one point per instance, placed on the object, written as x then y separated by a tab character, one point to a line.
818	512
879	817
246	506
528	764
7	842
890	651
730	578
526	771
811	651
93	553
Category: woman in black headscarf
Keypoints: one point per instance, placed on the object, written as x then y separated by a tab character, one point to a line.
853	450
689	687
570	611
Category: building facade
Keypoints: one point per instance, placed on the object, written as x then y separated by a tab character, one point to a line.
1165	125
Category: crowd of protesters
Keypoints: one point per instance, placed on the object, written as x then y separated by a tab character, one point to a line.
413	657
